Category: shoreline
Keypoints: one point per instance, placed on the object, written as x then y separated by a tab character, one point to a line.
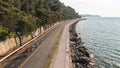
62	58
81	57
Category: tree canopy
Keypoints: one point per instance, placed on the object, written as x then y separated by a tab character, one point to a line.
22	17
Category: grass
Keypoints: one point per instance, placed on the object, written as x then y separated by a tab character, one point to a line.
53	51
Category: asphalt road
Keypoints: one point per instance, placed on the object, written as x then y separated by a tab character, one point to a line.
40	52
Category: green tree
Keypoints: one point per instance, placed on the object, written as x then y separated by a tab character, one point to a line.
23	17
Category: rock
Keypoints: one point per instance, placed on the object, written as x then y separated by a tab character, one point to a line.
81	56
73	43
73	38
90	54
85	60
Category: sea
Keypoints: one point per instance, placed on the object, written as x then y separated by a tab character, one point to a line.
101	36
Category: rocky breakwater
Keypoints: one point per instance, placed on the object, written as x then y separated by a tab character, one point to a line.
81	57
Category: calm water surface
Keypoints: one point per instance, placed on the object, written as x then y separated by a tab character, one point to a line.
102	38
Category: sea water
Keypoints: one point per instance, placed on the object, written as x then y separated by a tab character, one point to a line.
102	38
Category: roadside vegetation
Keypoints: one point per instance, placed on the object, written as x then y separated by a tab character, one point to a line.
23	17
53	51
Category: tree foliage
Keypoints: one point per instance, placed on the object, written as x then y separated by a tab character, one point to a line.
22	17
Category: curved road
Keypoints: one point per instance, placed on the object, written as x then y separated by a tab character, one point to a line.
38	58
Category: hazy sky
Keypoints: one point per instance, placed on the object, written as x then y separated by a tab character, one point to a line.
109	8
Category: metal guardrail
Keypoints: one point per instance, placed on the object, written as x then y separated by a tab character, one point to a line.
10	54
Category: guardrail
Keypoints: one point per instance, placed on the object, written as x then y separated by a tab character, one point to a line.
10	54
15	51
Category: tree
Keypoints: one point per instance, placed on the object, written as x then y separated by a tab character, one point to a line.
23	17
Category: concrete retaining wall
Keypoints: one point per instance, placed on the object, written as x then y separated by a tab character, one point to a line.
10	43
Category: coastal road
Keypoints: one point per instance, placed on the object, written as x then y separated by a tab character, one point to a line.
38	57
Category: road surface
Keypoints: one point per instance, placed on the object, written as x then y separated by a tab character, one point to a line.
62	58
38	58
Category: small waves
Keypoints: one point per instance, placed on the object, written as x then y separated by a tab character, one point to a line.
102	38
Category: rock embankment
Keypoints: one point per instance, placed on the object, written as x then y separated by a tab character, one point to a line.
81	57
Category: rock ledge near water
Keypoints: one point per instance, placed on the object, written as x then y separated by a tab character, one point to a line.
81	57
